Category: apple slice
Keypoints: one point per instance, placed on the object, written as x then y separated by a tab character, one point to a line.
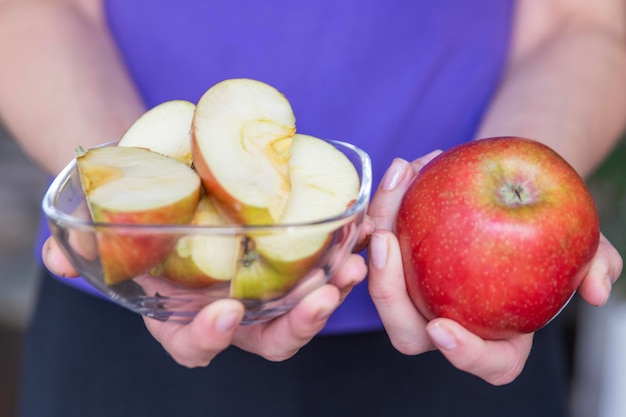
241	140
128	185
165	128
258	280
324	184
323	180
202	260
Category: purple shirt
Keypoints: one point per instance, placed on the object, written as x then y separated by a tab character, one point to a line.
398	78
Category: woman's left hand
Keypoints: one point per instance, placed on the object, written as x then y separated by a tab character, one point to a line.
497	362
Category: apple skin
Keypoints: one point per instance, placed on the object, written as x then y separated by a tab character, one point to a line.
126	252
496	234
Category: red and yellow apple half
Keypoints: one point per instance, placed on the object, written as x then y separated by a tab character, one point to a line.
131	186
496	234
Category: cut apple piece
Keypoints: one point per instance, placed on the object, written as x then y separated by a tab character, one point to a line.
165	128
263	276
258	280
205	259
241	141
126	186
324	184
323	180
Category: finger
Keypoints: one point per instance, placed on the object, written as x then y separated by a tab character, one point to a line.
367	228
282	337
386	201
605	268
198	342
55	260
351	273
421	162
498	362
403	323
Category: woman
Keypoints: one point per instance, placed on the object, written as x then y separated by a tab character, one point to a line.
396	78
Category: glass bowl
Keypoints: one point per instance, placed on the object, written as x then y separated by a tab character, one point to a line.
155	296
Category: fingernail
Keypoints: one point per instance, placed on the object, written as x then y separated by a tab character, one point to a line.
608	286
421	162
442	337
226	321
378	251
431	155
394	174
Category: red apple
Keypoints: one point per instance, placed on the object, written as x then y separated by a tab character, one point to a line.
496	234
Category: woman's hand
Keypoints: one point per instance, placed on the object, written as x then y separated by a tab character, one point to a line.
606	267
217	326
497	362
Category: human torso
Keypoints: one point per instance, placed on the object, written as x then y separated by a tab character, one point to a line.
398	78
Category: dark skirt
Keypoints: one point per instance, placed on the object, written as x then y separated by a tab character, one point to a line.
88	357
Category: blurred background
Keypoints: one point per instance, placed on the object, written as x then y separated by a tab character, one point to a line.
599	379
21	186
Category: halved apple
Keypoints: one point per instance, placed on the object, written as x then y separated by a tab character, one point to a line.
204	259
324	184
165	128
129	186
242	135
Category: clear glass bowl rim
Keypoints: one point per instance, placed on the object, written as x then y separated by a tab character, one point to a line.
70	221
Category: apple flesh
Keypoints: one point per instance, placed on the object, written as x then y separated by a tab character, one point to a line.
496	234
266	263
253	169
242	135
204	259
165	128
324	184
126	186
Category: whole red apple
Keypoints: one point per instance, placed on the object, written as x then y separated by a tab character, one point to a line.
496	234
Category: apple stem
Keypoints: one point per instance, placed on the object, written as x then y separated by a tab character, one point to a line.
80	151
515	195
